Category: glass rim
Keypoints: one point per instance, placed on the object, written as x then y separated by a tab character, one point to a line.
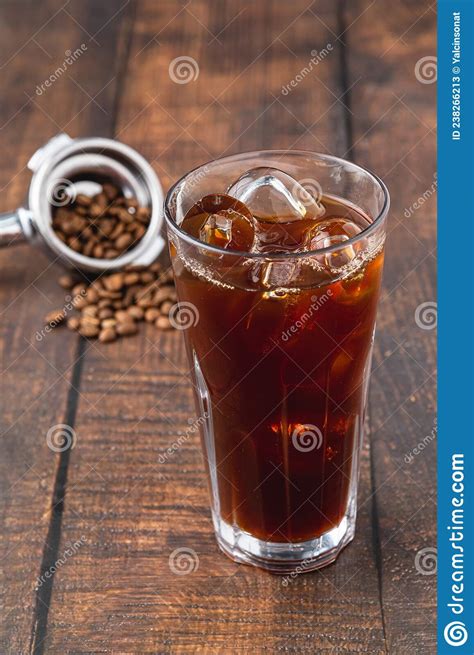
279	255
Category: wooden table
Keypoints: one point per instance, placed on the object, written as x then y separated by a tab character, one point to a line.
112	495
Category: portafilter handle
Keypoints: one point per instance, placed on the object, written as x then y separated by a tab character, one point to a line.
15	227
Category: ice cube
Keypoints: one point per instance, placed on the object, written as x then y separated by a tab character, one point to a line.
334	232
221	221
274	274
272	195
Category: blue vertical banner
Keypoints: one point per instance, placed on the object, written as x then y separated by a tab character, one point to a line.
455	327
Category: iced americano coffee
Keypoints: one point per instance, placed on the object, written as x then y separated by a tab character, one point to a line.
278	260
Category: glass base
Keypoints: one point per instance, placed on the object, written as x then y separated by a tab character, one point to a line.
284	558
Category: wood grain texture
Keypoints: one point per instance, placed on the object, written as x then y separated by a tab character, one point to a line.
39	369
135	508
394	119
133	487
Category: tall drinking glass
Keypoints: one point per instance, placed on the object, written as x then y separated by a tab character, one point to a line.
279	345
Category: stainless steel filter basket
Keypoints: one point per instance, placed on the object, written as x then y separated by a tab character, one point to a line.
62	160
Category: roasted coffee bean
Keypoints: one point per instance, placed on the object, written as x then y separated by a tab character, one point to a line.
89	320
126	217
131	278
152	314
127	328
143	214
163	323
113	303
165	307
67	281
78	289
161	295
105	312
92	295
122	316
88	248
108	322
146	301
73	322
146	277
90	310
110	190
95	210
123	241
139	232
117	231
111	295
98	251
131	203
136	313
113	282
75	244
55	317
79	302
107	335
88	330
83	200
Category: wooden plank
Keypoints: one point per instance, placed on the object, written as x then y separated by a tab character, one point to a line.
40	371
394	134
134	501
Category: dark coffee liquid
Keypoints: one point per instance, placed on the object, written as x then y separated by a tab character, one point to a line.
285	372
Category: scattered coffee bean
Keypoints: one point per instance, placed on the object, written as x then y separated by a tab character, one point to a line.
104	313
165	307
163	323
136	312
151	314
108	334
122	316
55	317
73	322
111	305
90	310
127	328
88	330
67	281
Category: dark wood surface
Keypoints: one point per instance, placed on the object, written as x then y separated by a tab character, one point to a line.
128	401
